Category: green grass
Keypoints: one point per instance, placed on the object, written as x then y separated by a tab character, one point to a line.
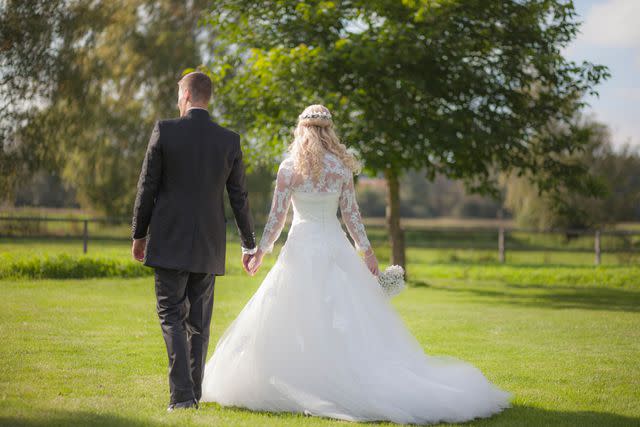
58	259
565	339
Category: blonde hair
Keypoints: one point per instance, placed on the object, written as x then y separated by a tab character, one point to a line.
313	137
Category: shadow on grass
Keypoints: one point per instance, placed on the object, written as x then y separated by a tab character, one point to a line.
520	415
556	296
72	418
517	415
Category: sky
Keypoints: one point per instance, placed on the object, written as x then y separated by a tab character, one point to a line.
610	35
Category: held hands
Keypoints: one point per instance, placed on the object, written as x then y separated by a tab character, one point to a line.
246	259
255	262
251	263
371	262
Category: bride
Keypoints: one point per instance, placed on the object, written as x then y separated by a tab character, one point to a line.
319	336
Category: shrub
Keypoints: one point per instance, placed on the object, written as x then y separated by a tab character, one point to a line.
65	266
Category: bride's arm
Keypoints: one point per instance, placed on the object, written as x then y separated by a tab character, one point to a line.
351	215
352	219
279	208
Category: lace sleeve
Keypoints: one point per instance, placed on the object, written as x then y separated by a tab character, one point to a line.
279	208
351	214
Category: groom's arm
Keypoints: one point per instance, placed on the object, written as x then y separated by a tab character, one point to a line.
239	199
148	185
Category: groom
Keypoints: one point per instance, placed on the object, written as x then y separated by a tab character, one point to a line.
179	227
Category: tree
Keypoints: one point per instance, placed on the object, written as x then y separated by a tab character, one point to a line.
35	60
615	173
459	87
83	83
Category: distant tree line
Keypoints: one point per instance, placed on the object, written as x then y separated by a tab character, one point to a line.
618	171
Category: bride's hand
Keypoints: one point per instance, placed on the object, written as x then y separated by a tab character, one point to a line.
372	262
255	262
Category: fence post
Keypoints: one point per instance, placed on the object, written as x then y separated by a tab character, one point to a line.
501	257
85	236
597	247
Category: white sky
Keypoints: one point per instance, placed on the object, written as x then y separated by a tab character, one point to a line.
610	35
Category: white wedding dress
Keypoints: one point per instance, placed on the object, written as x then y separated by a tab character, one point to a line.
320	337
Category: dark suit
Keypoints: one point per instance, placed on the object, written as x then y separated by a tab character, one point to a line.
179	208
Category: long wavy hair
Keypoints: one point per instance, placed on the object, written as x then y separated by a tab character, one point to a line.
314	135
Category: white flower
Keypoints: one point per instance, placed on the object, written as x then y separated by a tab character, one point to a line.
320	115
392	280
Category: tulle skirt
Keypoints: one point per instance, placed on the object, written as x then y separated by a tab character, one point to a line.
319	337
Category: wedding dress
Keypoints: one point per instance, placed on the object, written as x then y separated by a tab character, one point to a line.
320	337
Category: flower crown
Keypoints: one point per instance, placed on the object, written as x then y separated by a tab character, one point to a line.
321	115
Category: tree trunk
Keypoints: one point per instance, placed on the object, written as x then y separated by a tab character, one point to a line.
396	234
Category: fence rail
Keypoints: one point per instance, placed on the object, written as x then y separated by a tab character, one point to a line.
502	238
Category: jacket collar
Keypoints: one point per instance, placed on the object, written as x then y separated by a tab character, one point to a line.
197	113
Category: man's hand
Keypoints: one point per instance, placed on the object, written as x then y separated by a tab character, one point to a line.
138	248
246	258
255	263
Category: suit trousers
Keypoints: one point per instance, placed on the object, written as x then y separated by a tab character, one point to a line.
185	305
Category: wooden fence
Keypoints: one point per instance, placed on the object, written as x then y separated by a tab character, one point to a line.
465	237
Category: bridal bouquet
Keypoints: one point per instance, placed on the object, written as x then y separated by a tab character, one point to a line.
392	280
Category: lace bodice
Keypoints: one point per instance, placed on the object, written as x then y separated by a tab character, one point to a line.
335	179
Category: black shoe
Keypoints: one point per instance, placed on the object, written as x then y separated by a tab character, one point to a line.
191	403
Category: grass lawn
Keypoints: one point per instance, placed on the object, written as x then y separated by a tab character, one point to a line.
90	351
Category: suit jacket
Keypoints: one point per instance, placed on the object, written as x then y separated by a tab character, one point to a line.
179	206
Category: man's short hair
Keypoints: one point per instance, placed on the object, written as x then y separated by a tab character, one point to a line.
199	84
